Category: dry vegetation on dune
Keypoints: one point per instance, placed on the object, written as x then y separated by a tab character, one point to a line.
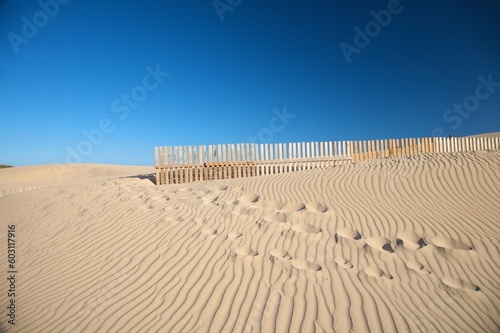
394	245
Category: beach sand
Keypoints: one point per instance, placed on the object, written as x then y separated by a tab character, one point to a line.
406	244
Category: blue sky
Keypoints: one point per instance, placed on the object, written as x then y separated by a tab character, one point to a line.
78	82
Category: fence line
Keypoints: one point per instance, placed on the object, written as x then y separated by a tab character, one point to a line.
181	164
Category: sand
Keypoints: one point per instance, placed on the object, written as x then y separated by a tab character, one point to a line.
393	245
27	178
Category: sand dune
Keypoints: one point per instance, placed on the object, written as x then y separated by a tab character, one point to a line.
27	178
394	245
495	134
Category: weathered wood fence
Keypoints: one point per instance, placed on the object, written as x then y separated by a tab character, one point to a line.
183	164
372	149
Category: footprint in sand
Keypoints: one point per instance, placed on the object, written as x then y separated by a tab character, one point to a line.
222	187
316	207
306	228
349	233
199	220
246	251
377	273
209	200
168	209
291	207
306	265
249	198
280	254
417	267
233	235
268	205
274	216
380	243
409	240
232	202
173	219
459	284
449	243
242	210
342	262
209	231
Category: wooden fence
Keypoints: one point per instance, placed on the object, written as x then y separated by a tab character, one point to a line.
373	149
183	164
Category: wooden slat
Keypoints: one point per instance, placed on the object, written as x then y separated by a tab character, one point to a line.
361	150
308	154
156	164
281	158
190	155
358	145
210	154
355	151
249	158
157	156
175	155
316	153
266	157
226	152
352	152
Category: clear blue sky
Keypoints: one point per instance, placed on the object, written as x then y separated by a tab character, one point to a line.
67	67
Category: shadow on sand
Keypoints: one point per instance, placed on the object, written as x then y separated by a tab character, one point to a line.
150	176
